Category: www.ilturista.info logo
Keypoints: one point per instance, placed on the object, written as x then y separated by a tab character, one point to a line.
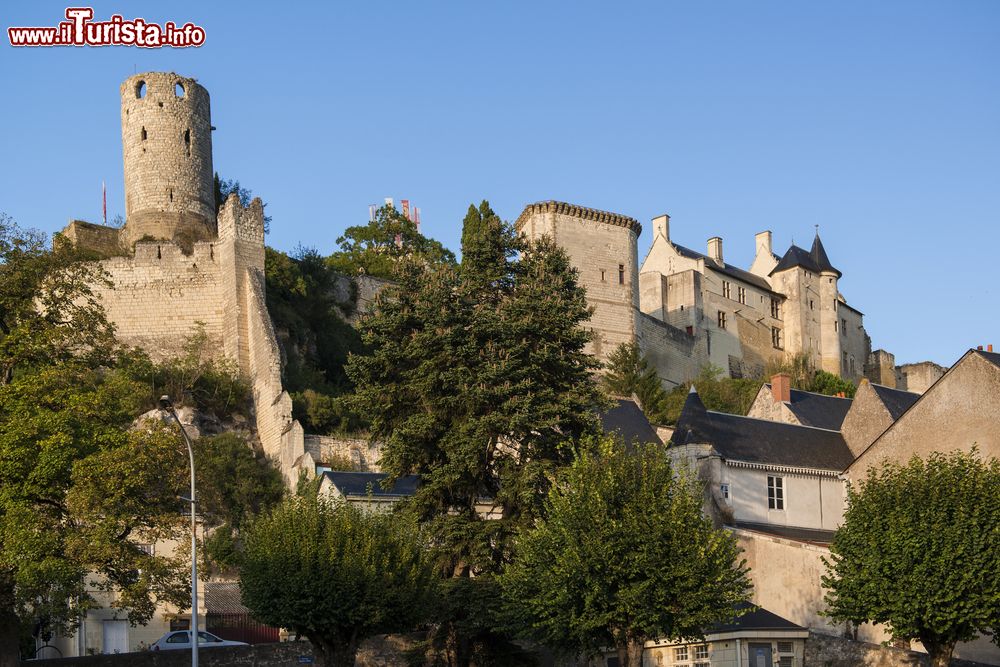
80	30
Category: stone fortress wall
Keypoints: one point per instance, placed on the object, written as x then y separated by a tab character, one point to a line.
176	267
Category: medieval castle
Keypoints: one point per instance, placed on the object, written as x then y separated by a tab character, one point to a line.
177	265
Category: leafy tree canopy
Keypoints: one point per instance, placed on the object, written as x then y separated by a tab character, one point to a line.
335	574
478	382
375	249
623	556
919	550
227	186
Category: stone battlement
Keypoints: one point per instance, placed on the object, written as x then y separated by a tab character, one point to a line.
581	212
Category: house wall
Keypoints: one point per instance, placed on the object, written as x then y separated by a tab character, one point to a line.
944	420
811	501
919	377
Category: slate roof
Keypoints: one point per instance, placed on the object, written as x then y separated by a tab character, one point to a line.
814	260
813	535
365	483
738	438
223	597
728	270
818	410
896	401
992	357
754	618
627	420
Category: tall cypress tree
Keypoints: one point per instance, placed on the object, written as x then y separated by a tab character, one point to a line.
478	382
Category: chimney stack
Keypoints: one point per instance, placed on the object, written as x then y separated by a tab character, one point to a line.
781	388
763	242
715	248
661	226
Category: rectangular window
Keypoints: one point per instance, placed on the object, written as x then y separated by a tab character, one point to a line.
843	326
785	647
810	304
602	275
680	654
726	289
852	365
690	330
741	295
776	337
724	490
775	493
786	661
701	652
722	319
775	308
845	361
621	274
835	325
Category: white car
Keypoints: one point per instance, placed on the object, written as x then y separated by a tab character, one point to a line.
181	639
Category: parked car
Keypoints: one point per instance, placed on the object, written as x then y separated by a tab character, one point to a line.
181	639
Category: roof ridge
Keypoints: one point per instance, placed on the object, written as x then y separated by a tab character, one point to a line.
771	421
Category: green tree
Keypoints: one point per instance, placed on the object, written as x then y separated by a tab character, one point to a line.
624	555
335	574
235	483
375	249
49	312
919	550
477	381
627	372
78	493
830	384
732	395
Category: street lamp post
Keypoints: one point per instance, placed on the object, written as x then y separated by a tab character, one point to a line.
167	405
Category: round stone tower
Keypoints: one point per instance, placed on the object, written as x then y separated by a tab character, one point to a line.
167	150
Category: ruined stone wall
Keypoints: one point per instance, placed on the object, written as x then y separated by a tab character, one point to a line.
101	239
159	295
918	377
881	368
324	449
167	151
674	354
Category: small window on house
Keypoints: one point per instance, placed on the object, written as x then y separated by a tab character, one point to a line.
726	289
776	338
785	647
187	142
786	661
852	366
810	304
775	308
844	365
741	295
690	330
834	325
680	654
724	490
143	135
843	326
775	493
180	624
621	274
602	276
722	319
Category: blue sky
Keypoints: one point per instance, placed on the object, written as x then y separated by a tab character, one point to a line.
877	121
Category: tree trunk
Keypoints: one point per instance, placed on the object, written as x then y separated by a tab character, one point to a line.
939	652
630	653
330	654
9	624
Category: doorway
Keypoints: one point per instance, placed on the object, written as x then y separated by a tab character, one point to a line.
760	655
115	637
